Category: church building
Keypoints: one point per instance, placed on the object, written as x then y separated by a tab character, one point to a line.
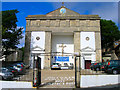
56	36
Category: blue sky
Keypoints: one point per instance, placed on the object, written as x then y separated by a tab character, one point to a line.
106	10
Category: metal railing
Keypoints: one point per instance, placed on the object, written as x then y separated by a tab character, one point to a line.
57	78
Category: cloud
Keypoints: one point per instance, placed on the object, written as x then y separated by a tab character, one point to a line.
69	5
18	27
107	11
22	41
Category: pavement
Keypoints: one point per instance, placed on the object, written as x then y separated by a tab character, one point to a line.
108	87
57	78
60	80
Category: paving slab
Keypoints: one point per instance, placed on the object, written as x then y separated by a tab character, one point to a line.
57	78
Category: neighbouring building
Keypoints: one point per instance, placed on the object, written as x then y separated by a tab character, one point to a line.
56	36
16	55
117	48
112	53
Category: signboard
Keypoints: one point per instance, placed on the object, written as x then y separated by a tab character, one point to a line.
61	59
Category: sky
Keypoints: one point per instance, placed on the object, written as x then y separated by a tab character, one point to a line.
106	10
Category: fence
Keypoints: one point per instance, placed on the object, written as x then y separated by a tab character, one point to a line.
69	78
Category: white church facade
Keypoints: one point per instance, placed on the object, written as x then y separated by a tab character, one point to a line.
56	36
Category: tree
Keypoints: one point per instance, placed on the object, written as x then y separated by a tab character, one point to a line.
10	33
109	33
0	35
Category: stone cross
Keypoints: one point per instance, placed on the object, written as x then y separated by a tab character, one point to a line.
62	3
62	46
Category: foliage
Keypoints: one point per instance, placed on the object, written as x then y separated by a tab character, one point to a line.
109	33
10	33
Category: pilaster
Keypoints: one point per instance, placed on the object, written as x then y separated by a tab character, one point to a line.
48	40
77	45
98	46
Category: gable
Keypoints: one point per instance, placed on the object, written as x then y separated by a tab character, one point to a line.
63	13
66	12
87	49
37	48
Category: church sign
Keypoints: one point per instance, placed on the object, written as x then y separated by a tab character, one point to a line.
60	33
61	59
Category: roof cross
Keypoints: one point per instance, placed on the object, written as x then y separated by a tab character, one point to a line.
62	4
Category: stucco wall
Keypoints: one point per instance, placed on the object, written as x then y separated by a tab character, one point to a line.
87	43
37	46
98	80
15	84
41	42
68	41
87	47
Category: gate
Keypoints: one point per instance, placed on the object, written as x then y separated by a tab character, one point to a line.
58	78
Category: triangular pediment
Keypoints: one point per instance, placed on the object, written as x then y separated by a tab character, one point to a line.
37	48
87	49
63	11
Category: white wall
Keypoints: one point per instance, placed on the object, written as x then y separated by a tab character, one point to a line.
67	40
15	84
84	43
87	47
35	42
98	80
82	63
37	46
